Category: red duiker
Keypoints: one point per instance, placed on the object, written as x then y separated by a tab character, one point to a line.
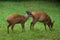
39	16
15	19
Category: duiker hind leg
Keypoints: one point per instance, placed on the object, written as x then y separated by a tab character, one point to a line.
45	26
49	27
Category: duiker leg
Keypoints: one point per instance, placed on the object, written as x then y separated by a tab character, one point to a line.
45	26
8	28
12	28
23	29
32	24
50	27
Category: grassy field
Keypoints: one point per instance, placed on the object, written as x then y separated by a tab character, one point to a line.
39	33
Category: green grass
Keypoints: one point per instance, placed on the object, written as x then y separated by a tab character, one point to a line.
39	33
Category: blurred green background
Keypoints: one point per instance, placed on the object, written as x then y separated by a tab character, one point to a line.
8	7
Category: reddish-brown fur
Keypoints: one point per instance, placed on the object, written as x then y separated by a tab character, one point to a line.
15	19
41	17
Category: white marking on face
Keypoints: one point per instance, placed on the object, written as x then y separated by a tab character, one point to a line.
26	15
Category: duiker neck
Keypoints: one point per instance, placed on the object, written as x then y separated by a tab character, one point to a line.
26	16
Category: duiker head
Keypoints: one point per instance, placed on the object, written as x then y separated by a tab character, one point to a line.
28	13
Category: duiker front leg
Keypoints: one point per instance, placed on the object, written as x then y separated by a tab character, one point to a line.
32	24
23	29
8	28
12	28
